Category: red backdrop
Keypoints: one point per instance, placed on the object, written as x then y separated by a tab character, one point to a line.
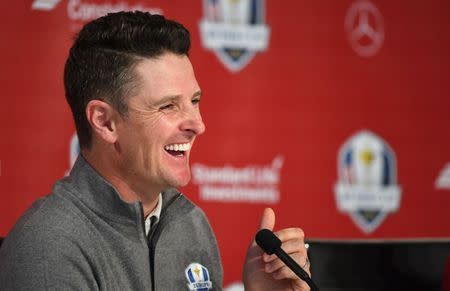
279	113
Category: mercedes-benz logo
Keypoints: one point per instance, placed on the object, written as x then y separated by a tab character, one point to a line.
365	29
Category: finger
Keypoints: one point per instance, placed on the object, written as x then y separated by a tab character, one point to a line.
290	233
287	235
290	247
267	222
285	273
307	266
267	219
277	264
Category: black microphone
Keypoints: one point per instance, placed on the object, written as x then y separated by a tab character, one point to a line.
271	244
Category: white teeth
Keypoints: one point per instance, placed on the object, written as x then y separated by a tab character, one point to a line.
178	147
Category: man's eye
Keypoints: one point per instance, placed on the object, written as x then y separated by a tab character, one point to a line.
196	101
167	106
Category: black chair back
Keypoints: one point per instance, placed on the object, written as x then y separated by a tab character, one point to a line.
414	266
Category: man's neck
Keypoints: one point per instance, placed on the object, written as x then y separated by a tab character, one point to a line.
106	168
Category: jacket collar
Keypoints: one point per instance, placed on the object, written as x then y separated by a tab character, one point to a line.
98	194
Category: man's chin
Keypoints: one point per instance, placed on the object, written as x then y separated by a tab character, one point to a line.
180	180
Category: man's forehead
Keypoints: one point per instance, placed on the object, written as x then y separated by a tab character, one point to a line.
164	63
167	76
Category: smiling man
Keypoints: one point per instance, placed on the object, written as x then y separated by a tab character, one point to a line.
117	221
146	150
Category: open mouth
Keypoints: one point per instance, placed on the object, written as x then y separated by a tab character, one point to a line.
178	150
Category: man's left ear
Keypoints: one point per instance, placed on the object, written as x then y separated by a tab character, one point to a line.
101	118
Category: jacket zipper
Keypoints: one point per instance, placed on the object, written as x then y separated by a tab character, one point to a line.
150	240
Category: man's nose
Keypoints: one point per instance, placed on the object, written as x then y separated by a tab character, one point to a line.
193	122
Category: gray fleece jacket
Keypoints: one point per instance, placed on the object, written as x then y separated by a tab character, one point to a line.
84	237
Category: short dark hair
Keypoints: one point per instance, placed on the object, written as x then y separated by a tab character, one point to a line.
102	59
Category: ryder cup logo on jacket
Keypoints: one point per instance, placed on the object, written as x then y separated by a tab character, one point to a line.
234	30
198	277
367	188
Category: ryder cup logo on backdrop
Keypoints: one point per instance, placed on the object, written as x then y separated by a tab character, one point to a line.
443	180
234	30
367	188
198	277
365	28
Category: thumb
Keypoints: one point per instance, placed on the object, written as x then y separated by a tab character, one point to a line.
267	219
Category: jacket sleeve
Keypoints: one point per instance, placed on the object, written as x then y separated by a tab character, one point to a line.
44	260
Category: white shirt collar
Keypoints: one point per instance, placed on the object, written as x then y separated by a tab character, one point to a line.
156	213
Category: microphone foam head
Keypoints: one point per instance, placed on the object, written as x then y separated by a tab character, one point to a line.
267	241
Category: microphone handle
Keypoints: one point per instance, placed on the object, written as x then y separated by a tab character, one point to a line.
296	268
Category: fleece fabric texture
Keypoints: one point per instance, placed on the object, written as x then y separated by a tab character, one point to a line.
84	237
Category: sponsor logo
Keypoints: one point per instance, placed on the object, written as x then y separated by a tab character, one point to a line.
85	11
250	184
365	28
443	180
74	151
367	188
234	30
198	277
44	4
80	12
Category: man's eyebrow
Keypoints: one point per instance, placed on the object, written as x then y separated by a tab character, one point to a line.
168	98
197	94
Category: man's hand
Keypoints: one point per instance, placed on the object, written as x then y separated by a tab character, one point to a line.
264	272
